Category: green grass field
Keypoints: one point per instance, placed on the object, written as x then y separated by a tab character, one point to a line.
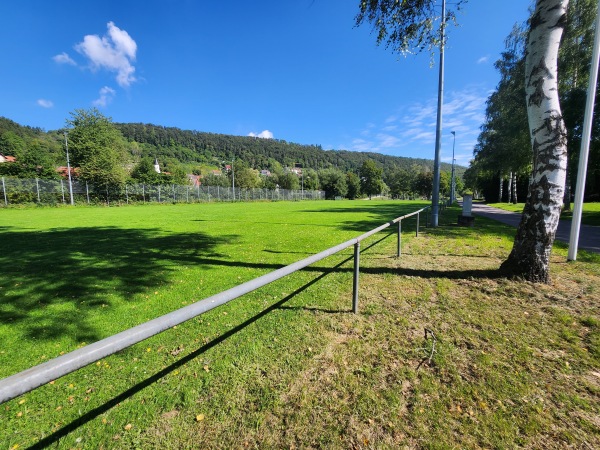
511	365
590	214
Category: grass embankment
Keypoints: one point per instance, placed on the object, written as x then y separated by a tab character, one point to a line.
507	363
590	214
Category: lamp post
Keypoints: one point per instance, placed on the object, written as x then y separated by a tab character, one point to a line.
69	169
233	177
435	197
452	193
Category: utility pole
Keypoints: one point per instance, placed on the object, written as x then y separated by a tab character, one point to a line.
585	145
69	169
233	177
452	183
435	198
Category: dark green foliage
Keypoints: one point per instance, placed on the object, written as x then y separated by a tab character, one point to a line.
97	148
353	183
371	182
333	182
405	26
273	154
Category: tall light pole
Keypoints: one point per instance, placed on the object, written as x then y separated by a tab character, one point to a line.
69	169
435	198
452	193
585	144
233	177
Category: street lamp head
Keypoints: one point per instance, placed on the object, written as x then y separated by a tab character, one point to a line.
453	133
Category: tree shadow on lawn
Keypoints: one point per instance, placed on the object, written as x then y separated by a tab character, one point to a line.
143	384
75	271
380	213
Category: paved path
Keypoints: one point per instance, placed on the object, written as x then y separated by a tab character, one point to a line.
589	236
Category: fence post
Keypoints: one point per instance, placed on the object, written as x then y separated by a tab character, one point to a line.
418	217
356	271
4	190
62	190
399	238
37	188
87	192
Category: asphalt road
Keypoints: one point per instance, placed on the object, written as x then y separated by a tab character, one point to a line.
589	236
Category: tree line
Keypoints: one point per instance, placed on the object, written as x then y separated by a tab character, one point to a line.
503	156
107	154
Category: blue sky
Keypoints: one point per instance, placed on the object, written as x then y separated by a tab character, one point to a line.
296	70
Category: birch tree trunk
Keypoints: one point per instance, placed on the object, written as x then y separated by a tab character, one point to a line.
514	189
500	187
530	256
509	190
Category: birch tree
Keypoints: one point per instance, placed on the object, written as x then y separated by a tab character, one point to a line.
530	255
409	24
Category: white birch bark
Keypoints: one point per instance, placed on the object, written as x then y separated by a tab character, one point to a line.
530	255
514	188
509	191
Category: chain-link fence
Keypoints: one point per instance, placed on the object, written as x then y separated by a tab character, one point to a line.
33	190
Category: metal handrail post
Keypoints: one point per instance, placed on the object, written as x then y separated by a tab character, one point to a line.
417	232
355	281
399	238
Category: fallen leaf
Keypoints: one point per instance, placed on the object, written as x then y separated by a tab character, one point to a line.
21	401
199	417
128	427
206	368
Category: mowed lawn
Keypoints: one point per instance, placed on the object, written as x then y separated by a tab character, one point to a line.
72	276
445	353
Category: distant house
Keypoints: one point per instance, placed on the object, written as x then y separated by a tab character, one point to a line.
63	171
227	167
195	180
265	173
217	173
4	159
296	170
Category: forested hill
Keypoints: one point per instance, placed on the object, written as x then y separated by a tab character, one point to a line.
195	146
191	147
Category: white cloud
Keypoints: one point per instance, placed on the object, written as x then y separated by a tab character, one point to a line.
106	96
266	134
411	130
114	52
45	103
483	59
64	58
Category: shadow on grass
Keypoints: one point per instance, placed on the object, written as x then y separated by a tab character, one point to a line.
380	214
94	413
77	270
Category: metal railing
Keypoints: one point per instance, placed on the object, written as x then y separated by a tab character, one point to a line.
30	379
